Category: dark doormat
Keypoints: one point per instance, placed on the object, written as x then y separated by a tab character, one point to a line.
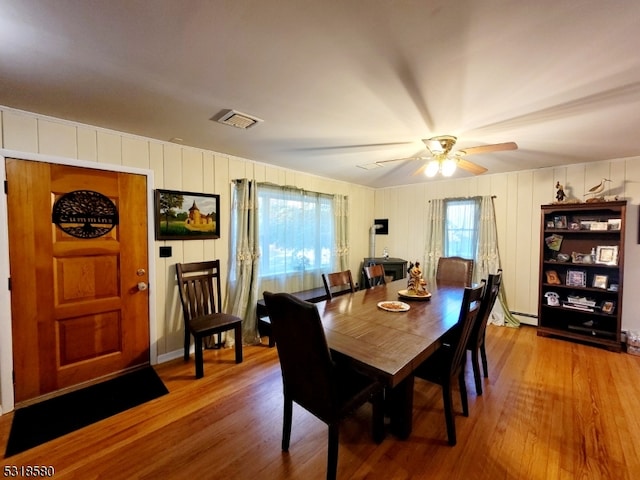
39	423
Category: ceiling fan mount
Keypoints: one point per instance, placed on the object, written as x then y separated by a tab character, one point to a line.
440	145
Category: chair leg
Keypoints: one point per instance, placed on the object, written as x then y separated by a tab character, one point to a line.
199	356
476	369
448	412
286	423
483	354
187	343
332	454
238	342
463	394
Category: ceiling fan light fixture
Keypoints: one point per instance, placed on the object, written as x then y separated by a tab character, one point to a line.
432	168
448	167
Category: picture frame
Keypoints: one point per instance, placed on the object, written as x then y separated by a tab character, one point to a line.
552	277
576	278
608	307
614	223
181	215
551	224
581	258
560	221
600	281
607	255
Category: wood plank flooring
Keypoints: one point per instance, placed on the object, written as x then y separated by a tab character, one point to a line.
551	409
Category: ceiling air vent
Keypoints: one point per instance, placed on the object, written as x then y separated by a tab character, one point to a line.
237	119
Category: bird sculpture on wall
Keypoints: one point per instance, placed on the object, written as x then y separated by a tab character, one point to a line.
597	189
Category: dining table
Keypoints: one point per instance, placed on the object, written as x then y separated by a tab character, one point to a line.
389	345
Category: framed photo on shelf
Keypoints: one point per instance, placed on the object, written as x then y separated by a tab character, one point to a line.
576	278
600	281
614	223
608	307
581	257
607	255
552	277
560	221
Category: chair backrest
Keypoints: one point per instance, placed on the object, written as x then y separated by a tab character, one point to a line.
491	290
307	367
454	271
471	304
338	283
374	274
199	287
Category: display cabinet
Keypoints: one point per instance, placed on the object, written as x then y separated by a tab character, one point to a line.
581	272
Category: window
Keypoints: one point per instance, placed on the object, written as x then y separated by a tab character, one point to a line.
297	232
461	228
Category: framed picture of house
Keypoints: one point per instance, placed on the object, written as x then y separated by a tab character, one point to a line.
186	215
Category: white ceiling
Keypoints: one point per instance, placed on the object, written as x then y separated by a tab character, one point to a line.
338	83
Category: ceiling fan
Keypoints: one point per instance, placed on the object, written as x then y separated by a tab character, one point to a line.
440	159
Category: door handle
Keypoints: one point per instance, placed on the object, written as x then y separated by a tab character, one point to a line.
142	286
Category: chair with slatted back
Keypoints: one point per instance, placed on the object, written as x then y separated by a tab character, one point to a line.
199	287
454	271
374	275
476	340
447	363
312	378
338	283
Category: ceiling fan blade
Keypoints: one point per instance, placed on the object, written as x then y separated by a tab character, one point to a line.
470	166
496	147
362	146
420	171
397	160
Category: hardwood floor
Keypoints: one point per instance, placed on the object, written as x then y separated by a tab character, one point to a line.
551	409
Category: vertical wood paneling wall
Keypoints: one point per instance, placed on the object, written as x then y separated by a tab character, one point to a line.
517	204
175	167
519	196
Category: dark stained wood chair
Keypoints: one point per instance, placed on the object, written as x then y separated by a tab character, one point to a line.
476	339
374	275
338	283
312	378
447	363
199	286
454	271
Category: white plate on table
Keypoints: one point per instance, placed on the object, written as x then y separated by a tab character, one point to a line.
393	306
411	296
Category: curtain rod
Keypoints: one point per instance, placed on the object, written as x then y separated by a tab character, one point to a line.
464	198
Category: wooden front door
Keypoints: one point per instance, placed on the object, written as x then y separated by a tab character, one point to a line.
78	262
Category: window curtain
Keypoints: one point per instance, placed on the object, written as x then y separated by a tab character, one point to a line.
488	261
435	239
341	249
244	257
487	257
300	229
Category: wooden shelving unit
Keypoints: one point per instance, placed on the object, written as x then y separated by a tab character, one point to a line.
581	272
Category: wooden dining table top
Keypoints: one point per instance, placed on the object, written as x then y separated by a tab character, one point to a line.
389	345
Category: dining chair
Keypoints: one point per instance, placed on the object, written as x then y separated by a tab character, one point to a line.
199	287
454	271
310	376
447	362
338	283
374	275
476	339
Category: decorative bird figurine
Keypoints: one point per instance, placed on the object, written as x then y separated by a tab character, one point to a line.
598	188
